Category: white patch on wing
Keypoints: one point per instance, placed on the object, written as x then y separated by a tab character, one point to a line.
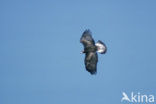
101	48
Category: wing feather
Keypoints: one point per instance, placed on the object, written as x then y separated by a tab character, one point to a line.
91	60
86	39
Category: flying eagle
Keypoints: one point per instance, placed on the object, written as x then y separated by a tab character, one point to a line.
90	49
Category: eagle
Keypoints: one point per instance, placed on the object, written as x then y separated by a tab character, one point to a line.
90	50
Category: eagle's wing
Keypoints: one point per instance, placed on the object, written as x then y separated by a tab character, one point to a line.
86	39
91	60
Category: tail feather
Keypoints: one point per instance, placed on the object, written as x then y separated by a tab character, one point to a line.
101	47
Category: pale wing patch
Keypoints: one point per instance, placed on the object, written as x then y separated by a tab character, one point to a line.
101	48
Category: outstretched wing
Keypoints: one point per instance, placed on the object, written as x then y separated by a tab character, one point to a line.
86	39
91	60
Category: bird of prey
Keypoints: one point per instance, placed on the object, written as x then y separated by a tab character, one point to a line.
90	49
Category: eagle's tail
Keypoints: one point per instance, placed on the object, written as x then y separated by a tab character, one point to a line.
101	47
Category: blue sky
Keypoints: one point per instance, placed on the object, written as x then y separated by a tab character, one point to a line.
40	60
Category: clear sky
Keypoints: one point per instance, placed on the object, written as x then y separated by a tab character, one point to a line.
40	60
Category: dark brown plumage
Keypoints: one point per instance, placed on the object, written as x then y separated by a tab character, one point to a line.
90	50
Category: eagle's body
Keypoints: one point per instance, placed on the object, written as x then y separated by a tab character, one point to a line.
90	50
